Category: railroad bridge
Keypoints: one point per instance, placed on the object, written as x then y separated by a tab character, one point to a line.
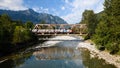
56	29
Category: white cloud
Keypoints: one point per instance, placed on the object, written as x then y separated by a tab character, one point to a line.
63	8
66	1
41	9
78	7
12	5
74	8
55	12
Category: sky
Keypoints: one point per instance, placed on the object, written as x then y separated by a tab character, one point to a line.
69	10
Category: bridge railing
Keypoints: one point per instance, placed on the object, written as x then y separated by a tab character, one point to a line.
52	31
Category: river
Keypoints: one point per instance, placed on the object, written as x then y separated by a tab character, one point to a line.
54	54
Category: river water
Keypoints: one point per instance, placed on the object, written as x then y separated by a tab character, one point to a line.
61	54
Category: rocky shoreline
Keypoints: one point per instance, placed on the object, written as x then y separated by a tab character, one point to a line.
111	59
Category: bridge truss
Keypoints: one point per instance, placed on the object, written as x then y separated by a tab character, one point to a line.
54	29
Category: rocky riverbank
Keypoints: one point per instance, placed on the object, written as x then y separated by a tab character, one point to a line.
111	59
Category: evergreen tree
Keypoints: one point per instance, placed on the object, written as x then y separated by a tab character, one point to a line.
29	25
108	30
89	18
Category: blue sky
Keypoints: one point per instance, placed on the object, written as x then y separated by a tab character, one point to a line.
70	10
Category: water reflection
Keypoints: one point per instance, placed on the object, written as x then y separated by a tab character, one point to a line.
63	56
15	60
75	58
57	53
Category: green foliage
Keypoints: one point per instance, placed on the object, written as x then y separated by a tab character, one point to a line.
89	18
18	36
6	29
13	33
102	34
104	27
21	35
107	33
29	25
27	35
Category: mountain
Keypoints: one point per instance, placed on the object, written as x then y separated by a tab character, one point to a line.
31	15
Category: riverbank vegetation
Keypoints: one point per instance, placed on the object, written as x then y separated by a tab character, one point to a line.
14	34
104	27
